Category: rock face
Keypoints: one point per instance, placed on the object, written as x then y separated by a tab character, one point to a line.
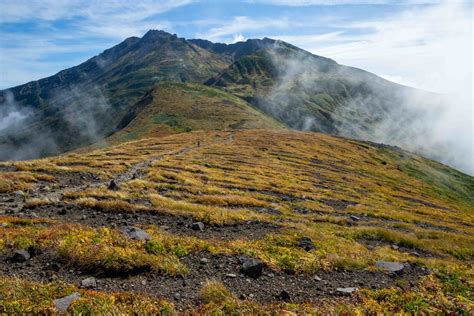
252	268
394	267
89	283
198	226
136	233
306	243
62	304
20	256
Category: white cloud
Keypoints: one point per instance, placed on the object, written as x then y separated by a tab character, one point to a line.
297	3
239	25
429	48
92	25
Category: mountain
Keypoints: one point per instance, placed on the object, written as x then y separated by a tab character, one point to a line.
184	186
88	103
83	104
183	107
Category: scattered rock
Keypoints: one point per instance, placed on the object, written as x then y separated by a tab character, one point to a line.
389	266
346	290
136	233
34	251
89	283
20	256
198	226
306	243
252	268
204	260
231	275
317	278
55	266
62	211
113	186
354	218
395	247
284	296
62	304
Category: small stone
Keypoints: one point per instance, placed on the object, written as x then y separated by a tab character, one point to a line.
198	226
389	266
34	251
62	304
143	282
317	278
204	260
414	253
136	233
355	218
395	247
346	290
306	243
20	256
231	275
55	266
284	296
62	211
33	215
113	186
89	283
252	268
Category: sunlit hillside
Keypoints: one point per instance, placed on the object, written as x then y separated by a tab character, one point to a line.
236	221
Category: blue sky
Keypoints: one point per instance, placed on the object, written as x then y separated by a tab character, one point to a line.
404	41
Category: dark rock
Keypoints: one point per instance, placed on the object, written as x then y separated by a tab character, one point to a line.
89	283
394	267
62	304
62	211
34	251
252	268
136	233
113	186
20	256
306	243
284	296
55	266
198	226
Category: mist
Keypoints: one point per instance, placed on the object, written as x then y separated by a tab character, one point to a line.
78	112
315	93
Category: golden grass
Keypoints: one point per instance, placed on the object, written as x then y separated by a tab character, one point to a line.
307	183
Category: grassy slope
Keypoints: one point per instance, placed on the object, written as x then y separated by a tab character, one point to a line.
310	182
178	107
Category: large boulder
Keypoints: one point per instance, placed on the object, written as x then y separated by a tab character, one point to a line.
62	304
306	243
20	256
393	267
136	233
89	283
252	268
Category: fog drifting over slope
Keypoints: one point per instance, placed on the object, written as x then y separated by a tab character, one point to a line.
431	49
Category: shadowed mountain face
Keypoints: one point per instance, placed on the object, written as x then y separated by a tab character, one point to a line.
87	103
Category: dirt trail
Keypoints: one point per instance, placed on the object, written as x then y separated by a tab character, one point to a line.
15	204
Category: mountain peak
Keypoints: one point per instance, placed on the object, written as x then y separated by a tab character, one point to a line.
157	35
